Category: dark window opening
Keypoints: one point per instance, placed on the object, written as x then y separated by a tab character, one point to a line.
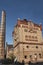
35	54
40	55
25	56
32	36
36	37
22	61
36	46
27	46
15	40
29	36
30	56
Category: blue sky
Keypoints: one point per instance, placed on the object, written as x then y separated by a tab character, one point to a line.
29	9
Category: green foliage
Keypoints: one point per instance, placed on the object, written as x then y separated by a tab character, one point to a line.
12	57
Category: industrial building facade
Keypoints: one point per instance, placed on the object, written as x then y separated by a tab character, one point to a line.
27	39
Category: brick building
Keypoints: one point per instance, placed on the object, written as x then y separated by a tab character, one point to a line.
27	39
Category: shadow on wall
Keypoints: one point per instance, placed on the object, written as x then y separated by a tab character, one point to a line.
18	63
8	61
38	63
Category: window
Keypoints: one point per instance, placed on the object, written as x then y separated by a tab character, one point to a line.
27	46
36	46
30	56
35	54
25	56
36	37
40	55
26	36
29	36
32	36
22	61
15	39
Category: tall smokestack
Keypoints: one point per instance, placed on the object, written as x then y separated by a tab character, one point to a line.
2	35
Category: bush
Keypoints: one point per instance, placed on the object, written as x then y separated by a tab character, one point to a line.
6	61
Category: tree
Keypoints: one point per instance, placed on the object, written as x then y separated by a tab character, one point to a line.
12	57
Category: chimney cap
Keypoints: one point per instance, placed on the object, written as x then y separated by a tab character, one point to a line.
3	11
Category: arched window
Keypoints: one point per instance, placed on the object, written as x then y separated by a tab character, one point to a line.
39	55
